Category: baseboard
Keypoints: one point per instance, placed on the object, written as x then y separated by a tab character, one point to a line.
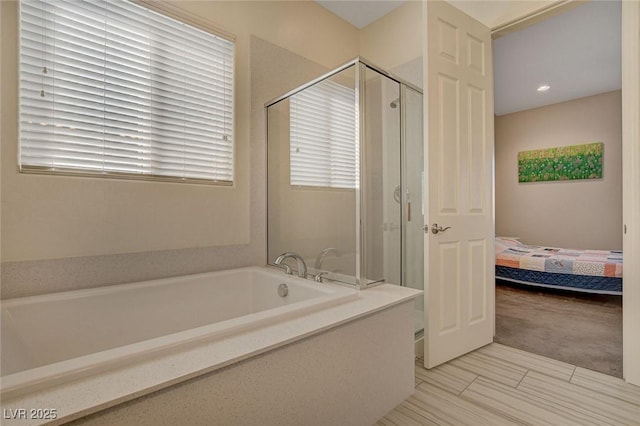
420	347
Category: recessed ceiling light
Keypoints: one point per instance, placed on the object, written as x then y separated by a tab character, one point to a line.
543	88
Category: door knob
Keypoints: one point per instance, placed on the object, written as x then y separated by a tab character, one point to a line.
437	228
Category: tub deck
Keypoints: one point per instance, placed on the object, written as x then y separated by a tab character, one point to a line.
137	376
47	338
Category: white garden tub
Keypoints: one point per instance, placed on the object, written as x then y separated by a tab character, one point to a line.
56	337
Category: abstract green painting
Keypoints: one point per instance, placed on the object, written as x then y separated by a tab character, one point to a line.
562	163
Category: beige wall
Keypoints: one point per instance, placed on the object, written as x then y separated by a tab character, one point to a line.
50	217
66	232
585	214
61	233
394	39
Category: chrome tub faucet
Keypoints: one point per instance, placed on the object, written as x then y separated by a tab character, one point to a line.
302	267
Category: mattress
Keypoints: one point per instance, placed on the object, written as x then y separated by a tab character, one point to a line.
597	271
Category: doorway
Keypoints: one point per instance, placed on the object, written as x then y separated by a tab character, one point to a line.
631	162
576	327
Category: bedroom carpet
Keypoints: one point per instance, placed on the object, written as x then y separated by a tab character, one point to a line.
580	329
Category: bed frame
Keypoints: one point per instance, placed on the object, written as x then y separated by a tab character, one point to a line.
582	283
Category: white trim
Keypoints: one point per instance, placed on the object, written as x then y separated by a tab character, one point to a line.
631	189
534	17
182	15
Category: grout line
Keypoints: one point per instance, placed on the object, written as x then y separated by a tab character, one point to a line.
522	378
492	408
603	392
572	373
508	364
467	387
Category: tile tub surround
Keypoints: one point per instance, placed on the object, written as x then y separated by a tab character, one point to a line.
31	278
372	333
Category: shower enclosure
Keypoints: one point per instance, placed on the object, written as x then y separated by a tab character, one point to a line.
345	178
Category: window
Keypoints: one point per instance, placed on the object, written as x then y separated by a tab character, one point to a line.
113	88
323	140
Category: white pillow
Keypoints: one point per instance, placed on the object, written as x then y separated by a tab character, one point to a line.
504	243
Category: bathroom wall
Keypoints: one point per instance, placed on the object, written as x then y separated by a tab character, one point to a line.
61	233
394	39
584	214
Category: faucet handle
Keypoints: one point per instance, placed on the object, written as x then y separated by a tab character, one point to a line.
319	276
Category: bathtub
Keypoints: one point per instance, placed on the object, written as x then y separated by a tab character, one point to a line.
55	338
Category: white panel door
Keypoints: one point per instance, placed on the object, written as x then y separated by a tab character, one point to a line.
459	263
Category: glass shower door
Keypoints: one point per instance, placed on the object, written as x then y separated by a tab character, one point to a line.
382	212
413	255
312	177
345	178
393	181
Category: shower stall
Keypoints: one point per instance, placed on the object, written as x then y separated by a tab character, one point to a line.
345	178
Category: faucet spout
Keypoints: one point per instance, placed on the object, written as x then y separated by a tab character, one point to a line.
302	267
323	254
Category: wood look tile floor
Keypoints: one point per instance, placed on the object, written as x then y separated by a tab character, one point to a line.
500	385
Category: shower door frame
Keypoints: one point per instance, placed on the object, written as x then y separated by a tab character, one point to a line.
362	281
360	65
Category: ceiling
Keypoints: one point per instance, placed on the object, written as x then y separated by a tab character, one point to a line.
577	53
360	13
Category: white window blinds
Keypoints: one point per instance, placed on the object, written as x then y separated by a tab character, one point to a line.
323	139
110	87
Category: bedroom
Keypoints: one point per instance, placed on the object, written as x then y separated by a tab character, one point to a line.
569	214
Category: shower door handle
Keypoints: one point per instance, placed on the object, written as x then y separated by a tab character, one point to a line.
437	228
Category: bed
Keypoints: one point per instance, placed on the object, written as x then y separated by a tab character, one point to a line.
592	271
